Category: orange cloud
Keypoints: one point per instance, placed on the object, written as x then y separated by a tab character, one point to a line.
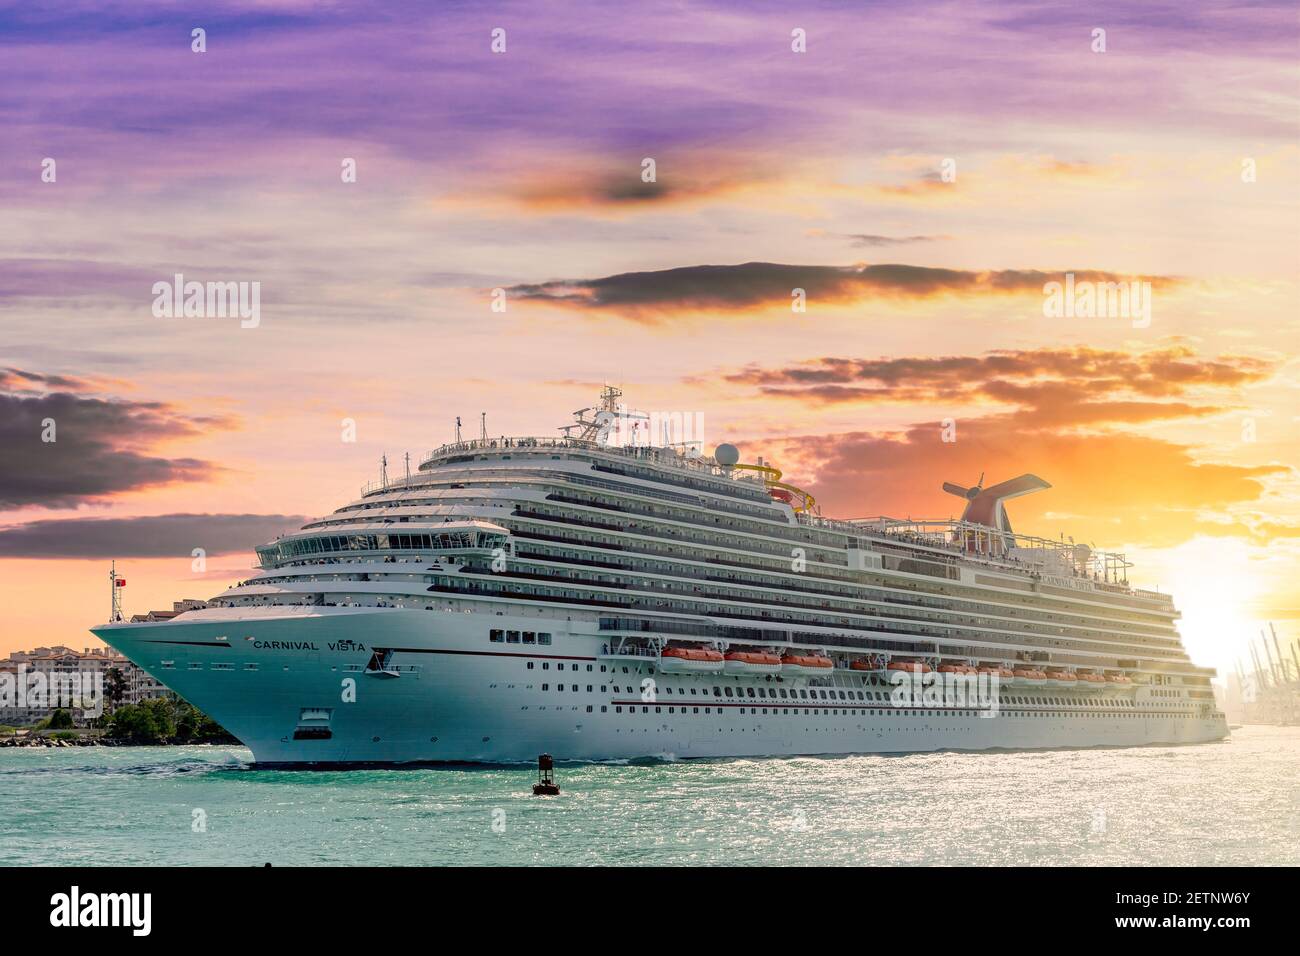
1116	487
1046	381
1064	411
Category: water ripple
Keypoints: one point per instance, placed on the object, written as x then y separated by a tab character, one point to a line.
1228	803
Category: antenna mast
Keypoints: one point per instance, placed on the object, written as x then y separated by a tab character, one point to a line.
114	582
482	426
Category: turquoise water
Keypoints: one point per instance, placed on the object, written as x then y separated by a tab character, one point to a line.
1232	802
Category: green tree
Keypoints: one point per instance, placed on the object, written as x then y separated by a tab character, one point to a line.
60	720
163	720
115	687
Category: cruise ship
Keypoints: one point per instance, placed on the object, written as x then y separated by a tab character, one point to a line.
597	596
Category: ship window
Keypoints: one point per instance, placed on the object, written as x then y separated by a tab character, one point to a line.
728	690
530	665
530	637
512	637
546	687
498	636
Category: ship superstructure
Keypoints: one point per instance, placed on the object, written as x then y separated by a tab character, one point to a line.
567	595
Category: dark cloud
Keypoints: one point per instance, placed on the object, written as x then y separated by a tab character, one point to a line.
100	447
751	284
867	240
15	379
161	536
1060	385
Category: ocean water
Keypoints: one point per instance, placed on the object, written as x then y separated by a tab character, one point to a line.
1232	802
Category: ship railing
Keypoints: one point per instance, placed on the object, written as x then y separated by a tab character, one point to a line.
653	454
1107	570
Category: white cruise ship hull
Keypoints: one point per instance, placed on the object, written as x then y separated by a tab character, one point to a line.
292	684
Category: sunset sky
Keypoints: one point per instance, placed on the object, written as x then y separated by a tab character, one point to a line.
1170	158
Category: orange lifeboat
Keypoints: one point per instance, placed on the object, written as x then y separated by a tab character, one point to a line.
1029	677
1062	678
690	660
910	667
869	665
1091	679
751	662
806	665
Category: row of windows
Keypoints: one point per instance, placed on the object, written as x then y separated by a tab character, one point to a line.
672	709
838	712
498	636
326	544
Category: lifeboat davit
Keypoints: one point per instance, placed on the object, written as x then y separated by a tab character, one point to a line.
806	665
1028	677
1062	678
751	662
690	660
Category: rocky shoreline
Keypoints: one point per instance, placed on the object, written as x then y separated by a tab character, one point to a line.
42	741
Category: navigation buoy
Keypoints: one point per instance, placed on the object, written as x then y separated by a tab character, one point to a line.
545	785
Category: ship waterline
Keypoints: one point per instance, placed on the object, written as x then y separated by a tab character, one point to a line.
562	595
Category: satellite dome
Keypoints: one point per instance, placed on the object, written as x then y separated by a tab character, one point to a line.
726	455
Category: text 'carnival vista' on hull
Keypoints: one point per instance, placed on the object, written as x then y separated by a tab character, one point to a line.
593	599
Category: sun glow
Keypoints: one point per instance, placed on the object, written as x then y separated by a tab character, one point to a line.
1217	590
